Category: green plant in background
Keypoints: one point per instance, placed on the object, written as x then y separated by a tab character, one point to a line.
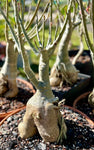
8	73
63	70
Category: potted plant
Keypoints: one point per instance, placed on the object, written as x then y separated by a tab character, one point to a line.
42	112
42	103
9	86
63	71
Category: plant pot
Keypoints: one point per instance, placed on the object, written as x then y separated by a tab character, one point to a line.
81	103
9	105
84	62
79	131
71	92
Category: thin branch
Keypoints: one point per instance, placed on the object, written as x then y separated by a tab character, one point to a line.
6	26
22	2
85	27
27	38
32	36
30	74
32	19
38	37
51	47
31	32
43	33
11	29
56	30
50	24
59	15
81	46
28	16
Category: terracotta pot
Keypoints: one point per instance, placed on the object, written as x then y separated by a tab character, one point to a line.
82	114
84	95
81	103
29	85
10	114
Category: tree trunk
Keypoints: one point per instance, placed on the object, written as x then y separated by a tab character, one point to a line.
8	73
63	68
41	114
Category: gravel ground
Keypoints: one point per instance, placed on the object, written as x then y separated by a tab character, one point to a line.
80	134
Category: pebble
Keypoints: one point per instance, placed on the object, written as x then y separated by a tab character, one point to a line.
9	119
42	146
77	136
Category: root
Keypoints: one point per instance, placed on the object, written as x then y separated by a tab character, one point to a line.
3	84
8	88
63	130
91	99
44	117
63	72
13	89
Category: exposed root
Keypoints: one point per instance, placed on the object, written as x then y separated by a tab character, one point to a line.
62	130
91	99
63	72
3	84
13	89
55	77
27	127
8	88
46	118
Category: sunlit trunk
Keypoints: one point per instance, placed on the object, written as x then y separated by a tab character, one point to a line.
9	72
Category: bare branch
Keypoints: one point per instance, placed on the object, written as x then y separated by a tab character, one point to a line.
51	47
56	30
6	26
35	12
27	38
38	37
11	29
30	74
50	24
88	41
43	35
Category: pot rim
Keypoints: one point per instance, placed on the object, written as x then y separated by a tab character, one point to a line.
91	123
3	115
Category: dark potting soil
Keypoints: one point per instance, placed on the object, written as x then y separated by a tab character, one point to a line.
9	104
80	134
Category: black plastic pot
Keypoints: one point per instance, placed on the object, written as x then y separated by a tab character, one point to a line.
84	63
76	90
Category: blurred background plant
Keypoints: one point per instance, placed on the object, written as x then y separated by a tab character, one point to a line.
33	58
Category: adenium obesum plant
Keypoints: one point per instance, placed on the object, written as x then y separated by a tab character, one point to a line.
63	70
42	114
89	42
8	73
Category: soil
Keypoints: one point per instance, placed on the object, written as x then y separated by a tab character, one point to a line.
9	104
80	134
84	106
